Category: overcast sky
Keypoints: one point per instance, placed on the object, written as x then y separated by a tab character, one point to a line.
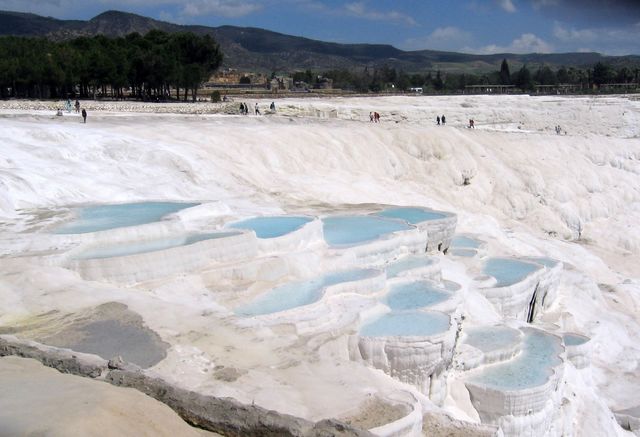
472	26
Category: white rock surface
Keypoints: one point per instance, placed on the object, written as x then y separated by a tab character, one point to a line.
530	192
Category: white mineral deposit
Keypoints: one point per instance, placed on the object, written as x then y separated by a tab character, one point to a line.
301	261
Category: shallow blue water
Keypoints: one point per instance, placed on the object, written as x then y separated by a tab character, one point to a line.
532	367
491	338
509	271
272	227
103	217
407	323
574	339
414	295
411	215
466	242
348	230
124	249
300	293
408	263
466	253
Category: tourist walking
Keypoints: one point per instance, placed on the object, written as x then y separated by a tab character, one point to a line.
438	120
273	107
77	107
443	120
376	117
472	124
84	115
241	108
257	110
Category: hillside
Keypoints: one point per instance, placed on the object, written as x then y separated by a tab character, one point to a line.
256	49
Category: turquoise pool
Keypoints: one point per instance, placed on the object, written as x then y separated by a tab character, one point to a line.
407	324
296	294
154	245
415	295
531	368
407	263
411	214
465	242
104	217
490	338
509	271
272	226
352	230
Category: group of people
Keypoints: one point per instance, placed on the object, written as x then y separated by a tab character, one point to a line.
244	108
559	130
77	108
374	117
441	119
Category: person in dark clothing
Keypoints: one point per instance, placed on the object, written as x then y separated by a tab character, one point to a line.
443	120
241	108
84	115
438	120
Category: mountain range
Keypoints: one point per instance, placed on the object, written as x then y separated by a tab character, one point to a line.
253	49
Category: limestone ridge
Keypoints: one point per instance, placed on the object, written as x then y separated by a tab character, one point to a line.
222	415
264	50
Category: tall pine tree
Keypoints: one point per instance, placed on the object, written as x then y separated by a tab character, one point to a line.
505	76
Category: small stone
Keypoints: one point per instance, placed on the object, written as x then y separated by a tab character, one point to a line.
116	363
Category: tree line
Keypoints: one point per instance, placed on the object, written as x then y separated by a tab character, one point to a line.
146	67
385	78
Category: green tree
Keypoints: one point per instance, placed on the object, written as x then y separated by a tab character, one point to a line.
523	79
563	75
545	76
505	75
601	74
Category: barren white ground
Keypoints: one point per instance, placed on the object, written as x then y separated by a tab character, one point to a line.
574	197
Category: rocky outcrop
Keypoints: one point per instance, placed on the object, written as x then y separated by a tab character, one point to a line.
63	360
223	415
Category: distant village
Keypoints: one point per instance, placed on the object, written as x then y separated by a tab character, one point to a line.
233	79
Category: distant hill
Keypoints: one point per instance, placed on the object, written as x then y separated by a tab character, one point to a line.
247	48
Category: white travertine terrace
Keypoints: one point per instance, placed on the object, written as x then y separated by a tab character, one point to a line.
387	247
337	308
578	351
512	182
471	357
516	300
140	267
416	360
298	239
440	231
525	410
